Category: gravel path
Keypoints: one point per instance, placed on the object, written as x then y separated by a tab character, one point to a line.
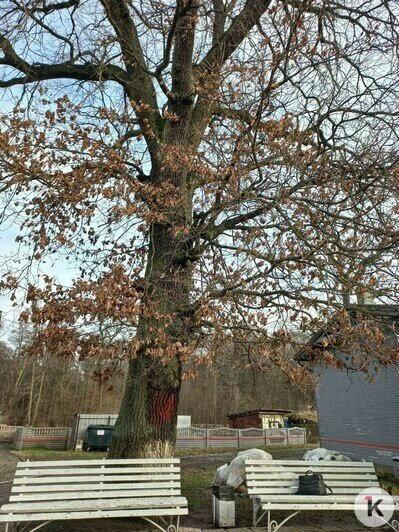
8	464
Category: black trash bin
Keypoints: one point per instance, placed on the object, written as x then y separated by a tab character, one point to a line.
99	437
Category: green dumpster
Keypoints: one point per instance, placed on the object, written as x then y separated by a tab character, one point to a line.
99	437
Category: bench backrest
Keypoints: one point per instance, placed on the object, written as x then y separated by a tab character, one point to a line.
96	479
281	476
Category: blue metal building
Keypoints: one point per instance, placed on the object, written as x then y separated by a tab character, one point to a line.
358	417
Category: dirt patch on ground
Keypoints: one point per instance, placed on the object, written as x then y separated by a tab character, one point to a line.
206	461
215	460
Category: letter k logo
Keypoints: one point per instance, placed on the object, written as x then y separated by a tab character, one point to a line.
373	507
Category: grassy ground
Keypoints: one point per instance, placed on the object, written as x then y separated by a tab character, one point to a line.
284	451
388	481
45	454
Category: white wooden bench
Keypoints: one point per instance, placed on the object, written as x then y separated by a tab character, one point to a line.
273	486
96	489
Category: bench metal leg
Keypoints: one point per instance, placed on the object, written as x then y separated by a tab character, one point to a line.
40	526
165	528
13	526
255	508
24	527
154	523
273	526
172	527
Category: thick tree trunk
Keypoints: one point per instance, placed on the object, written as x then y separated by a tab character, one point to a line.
146	425
147	419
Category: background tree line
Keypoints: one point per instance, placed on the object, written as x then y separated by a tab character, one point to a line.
46	390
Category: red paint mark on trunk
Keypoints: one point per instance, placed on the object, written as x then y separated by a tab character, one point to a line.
162	407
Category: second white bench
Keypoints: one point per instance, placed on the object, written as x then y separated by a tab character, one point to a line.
273	486
96	489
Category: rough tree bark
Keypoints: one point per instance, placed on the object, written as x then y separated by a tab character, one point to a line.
148	416
146	424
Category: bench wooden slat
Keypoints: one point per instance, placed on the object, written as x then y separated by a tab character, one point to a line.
95	471
33	488
304	463
93	495
111	478
307	499
300	469
99	514
327	476
335	483
75	506
103	462
310	506
293	489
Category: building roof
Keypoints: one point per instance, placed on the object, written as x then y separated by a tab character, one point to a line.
261	411
376	311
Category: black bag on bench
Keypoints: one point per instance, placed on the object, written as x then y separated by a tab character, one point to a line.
312	484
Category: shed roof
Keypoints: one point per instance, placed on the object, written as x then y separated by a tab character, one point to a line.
261	411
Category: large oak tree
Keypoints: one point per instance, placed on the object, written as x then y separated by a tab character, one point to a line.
211	167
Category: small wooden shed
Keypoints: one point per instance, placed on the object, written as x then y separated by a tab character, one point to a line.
261	419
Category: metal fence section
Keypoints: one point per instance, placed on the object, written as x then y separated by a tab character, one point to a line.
276	436
190	437
8	433
82	421
186	437
252	437
224	437
296	436
58	438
